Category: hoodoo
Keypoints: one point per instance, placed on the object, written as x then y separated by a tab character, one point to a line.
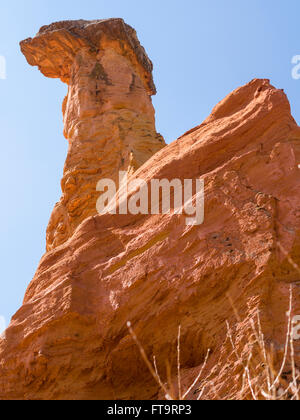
108	114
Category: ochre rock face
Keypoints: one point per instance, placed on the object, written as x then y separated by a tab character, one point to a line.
69	340
108	114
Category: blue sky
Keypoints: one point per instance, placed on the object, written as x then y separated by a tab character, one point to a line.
201	50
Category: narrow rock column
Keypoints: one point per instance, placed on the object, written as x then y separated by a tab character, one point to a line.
109	119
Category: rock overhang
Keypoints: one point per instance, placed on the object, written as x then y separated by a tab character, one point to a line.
55	47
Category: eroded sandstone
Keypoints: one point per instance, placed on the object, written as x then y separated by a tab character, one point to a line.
108	114
70	340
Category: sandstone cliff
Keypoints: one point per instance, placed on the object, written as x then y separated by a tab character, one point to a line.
70	340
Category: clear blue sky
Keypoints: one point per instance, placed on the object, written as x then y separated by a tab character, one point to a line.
201	50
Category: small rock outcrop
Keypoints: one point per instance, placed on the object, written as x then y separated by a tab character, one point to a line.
108	114
70	340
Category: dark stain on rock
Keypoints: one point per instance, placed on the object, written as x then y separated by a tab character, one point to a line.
132	85
99	74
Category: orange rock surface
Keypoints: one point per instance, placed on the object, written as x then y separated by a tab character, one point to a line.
70	340
108	114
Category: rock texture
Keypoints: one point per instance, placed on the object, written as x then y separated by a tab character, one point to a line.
69	340
108	114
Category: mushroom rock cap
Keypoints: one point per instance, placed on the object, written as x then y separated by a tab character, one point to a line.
55	47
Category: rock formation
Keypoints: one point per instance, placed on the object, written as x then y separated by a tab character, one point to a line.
108	114
70	340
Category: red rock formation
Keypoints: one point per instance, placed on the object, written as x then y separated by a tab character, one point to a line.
108	113
69	340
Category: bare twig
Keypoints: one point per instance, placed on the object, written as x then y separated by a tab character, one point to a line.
198	377
178	364
148	364
286	346
231	341
295	388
